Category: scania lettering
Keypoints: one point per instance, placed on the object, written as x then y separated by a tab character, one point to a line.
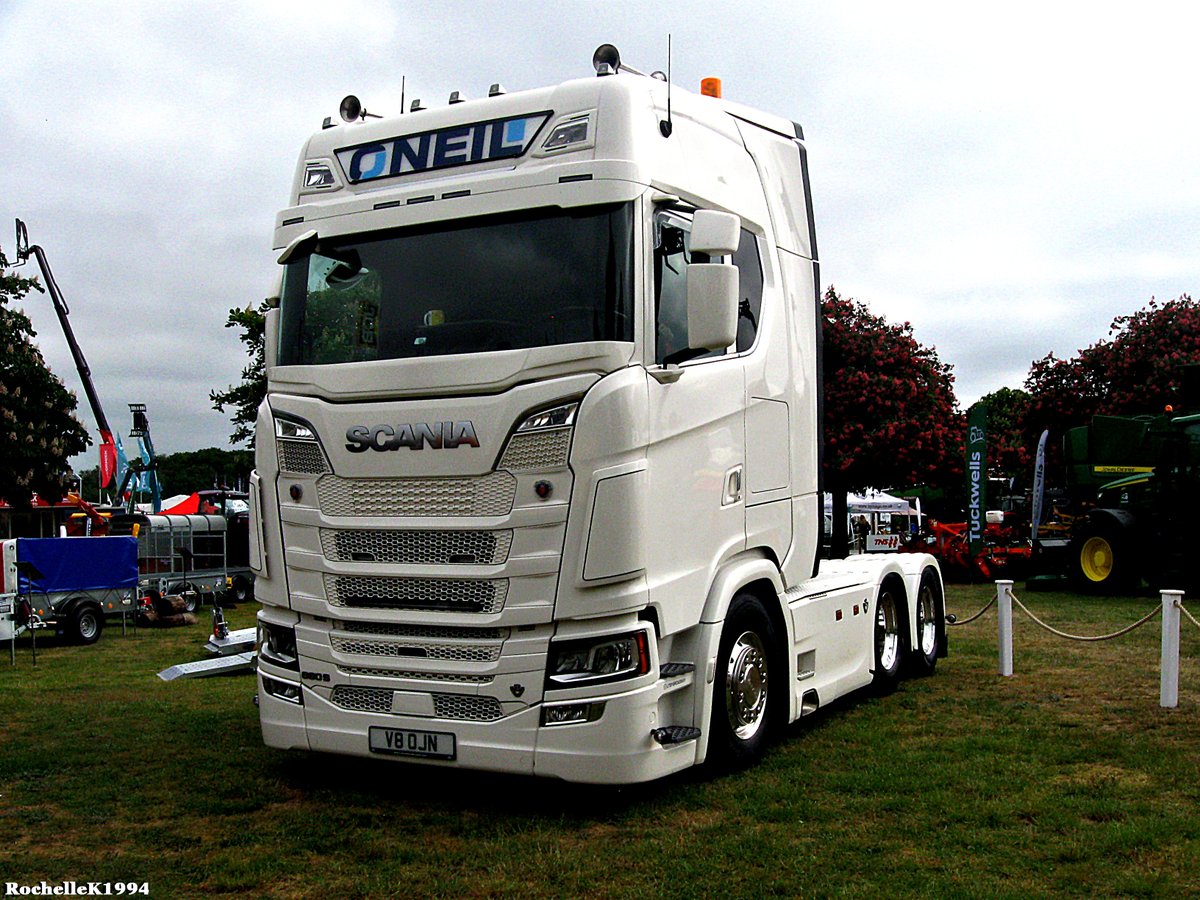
445	435
591	311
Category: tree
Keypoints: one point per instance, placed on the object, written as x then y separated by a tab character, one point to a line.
246	397
890	412
1137	370
201	470
39	432
1008	441
189	470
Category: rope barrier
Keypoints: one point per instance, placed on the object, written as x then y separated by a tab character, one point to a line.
1183	609
1075	637
1171	608
950	620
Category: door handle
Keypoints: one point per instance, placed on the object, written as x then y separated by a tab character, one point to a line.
733	486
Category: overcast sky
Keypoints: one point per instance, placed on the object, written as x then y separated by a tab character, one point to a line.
1007	178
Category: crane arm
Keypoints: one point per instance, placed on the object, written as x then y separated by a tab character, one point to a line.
108	448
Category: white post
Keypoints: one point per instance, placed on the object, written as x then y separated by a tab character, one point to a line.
1004	610
1168	691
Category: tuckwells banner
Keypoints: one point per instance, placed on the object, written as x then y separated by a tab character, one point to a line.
1039	485
976	468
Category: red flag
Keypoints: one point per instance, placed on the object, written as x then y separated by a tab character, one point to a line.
108	458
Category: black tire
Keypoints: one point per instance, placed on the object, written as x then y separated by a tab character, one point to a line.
86	624
890	627
191	598
930	632
748	686
1100	560
241	590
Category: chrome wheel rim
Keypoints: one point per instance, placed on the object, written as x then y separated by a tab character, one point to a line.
927	609
746	685
887	632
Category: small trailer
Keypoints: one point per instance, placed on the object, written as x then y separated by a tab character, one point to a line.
189	555
68	583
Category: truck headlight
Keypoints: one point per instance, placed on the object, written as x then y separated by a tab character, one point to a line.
277	645
542	440
284	690
294	430
297	447
597	660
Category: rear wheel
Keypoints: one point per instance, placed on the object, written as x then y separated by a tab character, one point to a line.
744	695
889	639
86	624
929	632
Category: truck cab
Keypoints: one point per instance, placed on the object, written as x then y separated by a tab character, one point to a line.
537	473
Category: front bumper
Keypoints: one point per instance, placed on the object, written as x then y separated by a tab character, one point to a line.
617	748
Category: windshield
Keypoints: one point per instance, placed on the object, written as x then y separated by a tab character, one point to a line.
469	286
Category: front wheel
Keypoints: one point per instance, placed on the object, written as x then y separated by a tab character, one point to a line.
744	695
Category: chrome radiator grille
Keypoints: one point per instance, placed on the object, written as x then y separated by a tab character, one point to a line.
487	495
467	706
360	699
481	548
416	676
445	594
446	706
423	631
458	652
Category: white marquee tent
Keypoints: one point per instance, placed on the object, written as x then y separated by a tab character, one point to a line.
872	502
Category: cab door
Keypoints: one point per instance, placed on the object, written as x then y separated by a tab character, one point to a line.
696	441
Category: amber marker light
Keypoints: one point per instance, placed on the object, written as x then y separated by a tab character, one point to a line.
710	87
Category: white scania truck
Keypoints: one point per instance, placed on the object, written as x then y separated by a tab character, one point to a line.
537	472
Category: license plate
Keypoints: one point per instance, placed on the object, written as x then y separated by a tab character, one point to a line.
410	742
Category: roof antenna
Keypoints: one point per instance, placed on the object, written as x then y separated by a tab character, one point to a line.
666	127
401	95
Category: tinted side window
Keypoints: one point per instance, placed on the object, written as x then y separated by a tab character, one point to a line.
750	288
672	240
672	253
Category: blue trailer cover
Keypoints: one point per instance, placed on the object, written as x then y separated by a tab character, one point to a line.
78	563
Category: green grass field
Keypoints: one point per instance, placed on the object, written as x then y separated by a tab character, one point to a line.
1066	779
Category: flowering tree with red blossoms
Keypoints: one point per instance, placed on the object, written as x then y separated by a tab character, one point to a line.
1010	448
1137	370
891	417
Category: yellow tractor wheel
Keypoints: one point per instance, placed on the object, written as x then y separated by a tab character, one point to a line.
1097	559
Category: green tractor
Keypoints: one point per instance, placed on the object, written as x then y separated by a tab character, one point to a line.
1143	525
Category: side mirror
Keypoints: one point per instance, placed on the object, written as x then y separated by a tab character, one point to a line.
712	300
712	288
715	233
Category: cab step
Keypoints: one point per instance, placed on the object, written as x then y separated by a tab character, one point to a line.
671	669
675	734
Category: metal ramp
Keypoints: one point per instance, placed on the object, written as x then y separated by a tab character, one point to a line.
202	668
235	642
